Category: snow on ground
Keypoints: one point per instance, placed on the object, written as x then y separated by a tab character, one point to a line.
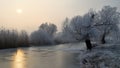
103	56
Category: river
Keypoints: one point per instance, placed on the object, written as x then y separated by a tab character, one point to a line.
59	56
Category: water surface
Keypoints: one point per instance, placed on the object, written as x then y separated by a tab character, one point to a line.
60	56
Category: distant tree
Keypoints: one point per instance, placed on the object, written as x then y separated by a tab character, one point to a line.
64	36
48	28
12	39
65	25
23	38
14	36
40	37
44	35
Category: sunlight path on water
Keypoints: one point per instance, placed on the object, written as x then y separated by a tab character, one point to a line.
19	59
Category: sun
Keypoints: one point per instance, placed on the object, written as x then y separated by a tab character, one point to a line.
19	11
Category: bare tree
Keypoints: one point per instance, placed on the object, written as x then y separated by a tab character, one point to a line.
11	38
23	38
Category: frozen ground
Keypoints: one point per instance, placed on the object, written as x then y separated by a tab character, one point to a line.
103	56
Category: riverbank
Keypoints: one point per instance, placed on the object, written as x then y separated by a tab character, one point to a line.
103	56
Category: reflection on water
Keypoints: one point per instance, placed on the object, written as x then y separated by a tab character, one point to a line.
19	59
60	56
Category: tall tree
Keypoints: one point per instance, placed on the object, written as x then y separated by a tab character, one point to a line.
81	27
107	21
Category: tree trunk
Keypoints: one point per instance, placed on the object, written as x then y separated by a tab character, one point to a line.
103	39
88	44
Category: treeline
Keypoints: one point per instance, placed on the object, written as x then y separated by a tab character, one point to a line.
13	39
47	35
101	26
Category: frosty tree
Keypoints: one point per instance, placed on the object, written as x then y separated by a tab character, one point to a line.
44	35
81	27
94	25
48	28
107	21
64	36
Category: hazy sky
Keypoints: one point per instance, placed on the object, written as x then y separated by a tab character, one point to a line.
29	14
